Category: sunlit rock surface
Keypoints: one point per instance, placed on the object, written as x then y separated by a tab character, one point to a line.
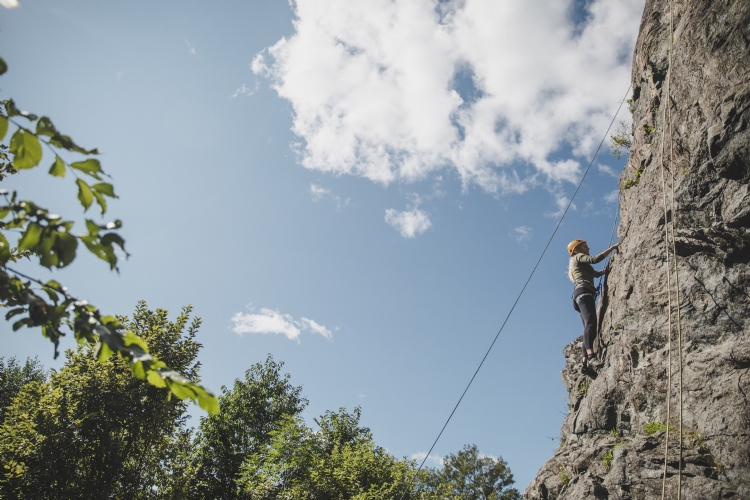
605	451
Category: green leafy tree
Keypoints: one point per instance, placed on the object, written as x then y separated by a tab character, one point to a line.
95	431
248	413
340	461
13	376
52	240
467	475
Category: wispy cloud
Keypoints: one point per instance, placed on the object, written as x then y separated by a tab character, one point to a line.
562	203
318	193
612	196
409	223
9	4
523	234
273	321
191	48
245	90
435	460
606	169
398	91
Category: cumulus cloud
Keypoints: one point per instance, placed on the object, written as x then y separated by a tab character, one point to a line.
409	223
396	91
523	234
273	321
435	460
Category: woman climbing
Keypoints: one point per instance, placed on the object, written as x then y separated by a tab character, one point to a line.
582	274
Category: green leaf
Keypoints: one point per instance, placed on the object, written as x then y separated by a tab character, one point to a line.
26	148
44	127
30	237
90	166
105	188
4	250
101	201
85	196
113	238
92	227
3	66
3	126
65	247
58	168
11	109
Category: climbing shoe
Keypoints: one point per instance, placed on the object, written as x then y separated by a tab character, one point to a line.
594	363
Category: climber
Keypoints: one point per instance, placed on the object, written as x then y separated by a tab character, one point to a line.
582	274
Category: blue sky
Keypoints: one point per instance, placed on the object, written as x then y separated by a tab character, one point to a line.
368	184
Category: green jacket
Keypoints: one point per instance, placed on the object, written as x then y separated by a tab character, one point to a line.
582	272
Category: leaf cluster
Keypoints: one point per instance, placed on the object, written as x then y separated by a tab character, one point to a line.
52	240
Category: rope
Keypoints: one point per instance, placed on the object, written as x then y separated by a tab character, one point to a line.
670	224
559	222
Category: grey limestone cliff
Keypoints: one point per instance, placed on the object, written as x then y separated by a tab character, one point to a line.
612	443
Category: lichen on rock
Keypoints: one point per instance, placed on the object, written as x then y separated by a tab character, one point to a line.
612	443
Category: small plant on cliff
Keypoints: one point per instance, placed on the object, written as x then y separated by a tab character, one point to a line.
564	477
697	439
607	460
634	180
621	140
583	388
654	427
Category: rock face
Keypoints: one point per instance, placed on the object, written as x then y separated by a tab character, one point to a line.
612	443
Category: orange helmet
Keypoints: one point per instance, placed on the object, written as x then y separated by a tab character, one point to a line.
573	245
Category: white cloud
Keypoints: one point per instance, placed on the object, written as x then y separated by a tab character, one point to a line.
245	90
409	222
561	202
435	460
319	193
612	196
605	169
273	321
191	48
523	234
397	91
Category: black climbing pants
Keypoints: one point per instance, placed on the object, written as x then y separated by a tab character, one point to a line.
584	299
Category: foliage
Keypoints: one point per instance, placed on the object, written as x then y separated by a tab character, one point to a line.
634	180
607	459
94	431
247	416
51	239
13	376
564	477
471	476
654	427
339	461
621	140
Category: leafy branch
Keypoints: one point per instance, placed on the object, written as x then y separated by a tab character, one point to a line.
48	237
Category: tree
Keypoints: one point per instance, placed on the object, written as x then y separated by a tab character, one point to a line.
248	413
467	475
13	376
51	239
340	461
94	431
